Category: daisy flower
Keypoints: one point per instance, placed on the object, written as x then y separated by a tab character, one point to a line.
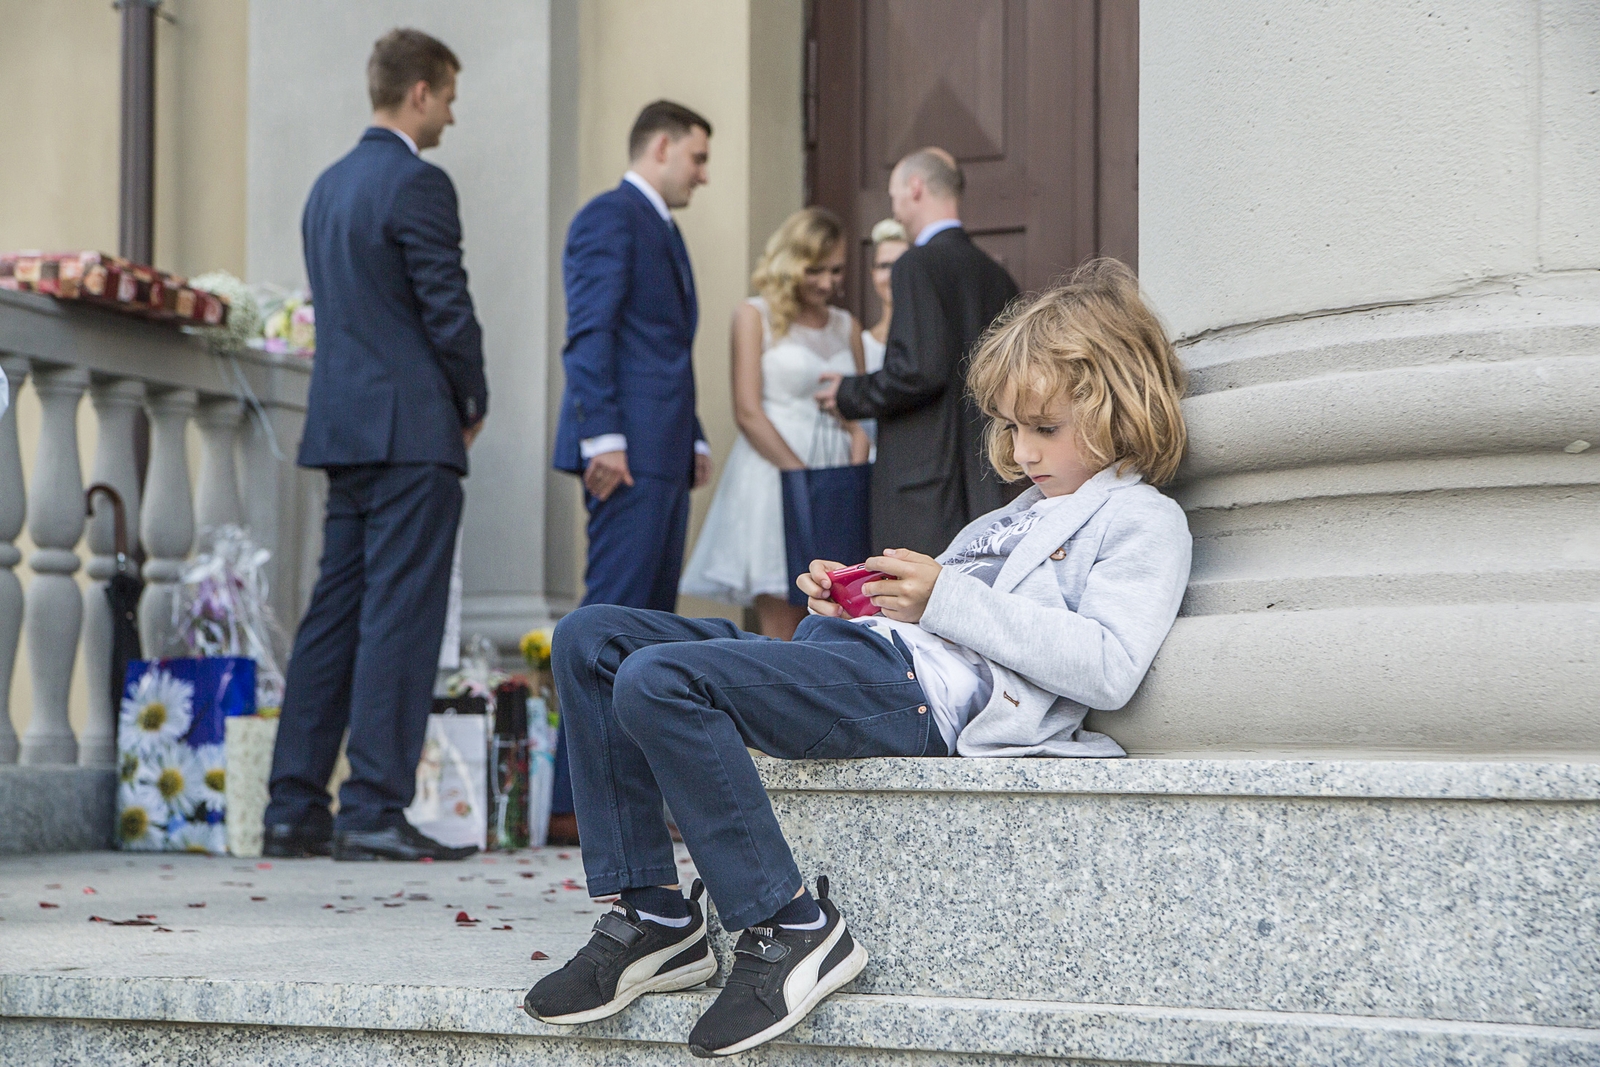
211	777
197	835
159	711
141	816
178	776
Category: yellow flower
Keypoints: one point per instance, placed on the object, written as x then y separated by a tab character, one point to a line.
536	647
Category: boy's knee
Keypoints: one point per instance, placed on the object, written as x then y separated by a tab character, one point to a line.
642	680
578	631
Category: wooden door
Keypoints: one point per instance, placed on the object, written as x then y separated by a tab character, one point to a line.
1038	99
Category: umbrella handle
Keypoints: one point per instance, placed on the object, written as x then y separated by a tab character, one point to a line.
119	517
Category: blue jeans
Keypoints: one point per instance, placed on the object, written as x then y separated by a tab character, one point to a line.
659	707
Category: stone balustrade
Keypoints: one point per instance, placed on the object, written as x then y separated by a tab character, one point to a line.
125	365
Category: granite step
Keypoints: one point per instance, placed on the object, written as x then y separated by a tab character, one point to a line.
56	809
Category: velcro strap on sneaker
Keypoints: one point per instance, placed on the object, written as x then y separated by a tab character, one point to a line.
762	949
618	929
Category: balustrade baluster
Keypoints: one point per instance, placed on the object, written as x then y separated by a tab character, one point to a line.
167	523
54	611
13	509
217	502
116	403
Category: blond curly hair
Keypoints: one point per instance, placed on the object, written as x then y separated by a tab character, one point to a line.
805	239
1095	341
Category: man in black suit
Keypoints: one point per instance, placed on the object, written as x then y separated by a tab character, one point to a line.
931	477
397	396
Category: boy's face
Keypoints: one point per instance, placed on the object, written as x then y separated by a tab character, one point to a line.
1045	446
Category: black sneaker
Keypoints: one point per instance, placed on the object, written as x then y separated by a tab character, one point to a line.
626	958
778	976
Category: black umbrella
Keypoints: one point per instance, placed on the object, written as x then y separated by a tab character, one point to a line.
123	592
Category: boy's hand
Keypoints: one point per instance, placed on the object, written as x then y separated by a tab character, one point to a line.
906	597
815	585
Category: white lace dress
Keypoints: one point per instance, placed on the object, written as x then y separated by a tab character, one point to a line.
740	553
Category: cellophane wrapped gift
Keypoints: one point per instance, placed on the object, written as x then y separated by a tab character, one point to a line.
543	724
172	772
222	609
508	784
453	774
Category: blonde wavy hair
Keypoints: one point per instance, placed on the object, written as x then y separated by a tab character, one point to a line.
803	241
1094	341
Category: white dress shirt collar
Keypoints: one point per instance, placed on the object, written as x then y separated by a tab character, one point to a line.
933	229
633	178
404	136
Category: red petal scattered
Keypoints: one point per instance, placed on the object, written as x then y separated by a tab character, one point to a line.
258	898
500	927
464	919
325	907
146	916
394	903
537	955
121	922
426	859
47	904
263	866
161	930
88	890
200	905
684	861
526	874
564	855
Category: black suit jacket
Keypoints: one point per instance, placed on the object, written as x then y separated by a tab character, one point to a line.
932	477
399	368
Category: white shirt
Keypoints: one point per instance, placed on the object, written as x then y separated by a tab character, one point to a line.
591	447
955	679
933	229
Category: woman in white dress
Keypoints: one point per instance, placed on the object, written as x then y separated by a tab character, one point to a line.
783	341
888	244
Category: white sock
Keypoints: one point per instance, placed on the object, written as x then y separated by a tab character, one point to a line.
819	923
666	922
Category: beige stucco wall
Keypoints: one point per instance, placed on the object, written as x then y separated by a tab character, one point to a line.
58	189
738	62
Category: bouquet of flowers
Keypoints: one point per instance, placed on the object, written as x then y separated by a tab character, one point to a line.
290	324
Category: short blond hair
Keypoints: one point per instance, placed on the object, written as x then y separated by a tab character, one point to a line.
804	240
1094	341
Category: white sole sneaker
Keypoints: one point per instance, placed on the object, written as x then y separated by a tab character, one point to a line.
835	980
672	981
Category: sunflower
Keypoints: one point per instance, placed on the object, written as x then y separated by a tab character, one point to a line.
179	777
157	713
210	777
141	816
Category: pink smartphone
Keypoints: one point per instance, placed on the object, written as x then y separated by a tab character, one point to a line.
845	590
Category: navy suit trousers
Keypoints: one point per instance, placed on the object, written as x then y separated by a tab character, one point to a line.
367	651
661	707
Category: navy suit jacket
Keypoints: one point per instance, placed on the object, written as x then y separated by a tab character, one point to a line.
399	366
631	316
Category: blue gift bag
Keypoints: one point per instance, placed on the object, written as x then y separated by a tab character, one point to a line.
171	776
825	517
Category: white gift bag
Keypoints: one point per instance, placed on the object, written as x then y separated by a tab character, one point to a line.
453	781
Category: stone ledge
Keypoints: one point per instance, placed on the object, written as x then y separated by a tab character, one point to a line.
1319	778
56	809
948	1025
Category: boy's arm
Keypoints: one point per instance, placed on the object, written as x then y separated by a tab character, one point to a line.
1098	654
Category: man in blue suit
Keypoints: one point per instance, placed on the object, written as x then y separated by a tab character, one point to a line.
628	422
397	396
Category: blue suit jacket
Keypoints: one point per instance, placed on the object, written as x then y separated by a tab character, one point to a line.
399	367
631	316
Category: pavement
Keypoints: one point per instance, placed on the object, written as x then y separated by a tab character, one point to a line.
477	923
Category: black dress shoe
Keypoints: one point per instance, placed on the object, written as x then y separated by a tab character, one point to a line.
287	841
403	842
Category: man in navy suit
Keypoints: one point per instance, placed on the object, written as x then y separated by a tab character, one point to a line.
628	422
397	396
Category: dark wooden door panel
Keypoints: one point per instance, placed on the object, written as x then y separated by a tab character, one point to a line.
1038	99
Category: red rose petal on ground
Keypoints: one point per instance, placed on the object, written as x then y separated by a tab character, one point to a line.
464	919
394	903
200	905
258	898
88	890
161	930
537	955
500	928
146	916
426	859
263	866
564	855
526	874
47	904
325	907
684	861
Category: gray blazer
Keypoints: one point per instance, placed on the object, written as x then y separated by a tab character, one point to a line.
1074	618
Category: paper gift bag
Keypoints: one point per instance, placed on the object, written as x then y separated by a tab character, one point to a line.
453	775
508	784
542	735
247	754
172	771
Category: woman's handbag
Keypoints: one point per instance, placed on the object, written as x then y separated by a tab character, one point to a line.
825	512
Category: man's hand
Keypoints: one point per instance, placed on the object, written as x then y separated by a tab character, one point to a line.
470	434
827	397
702	470
815	585
605	472
905	597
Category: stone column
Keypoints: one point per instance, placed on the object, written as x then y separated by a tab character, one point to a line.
116	402
167	525
13	510
217	501
55	522
1373	228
